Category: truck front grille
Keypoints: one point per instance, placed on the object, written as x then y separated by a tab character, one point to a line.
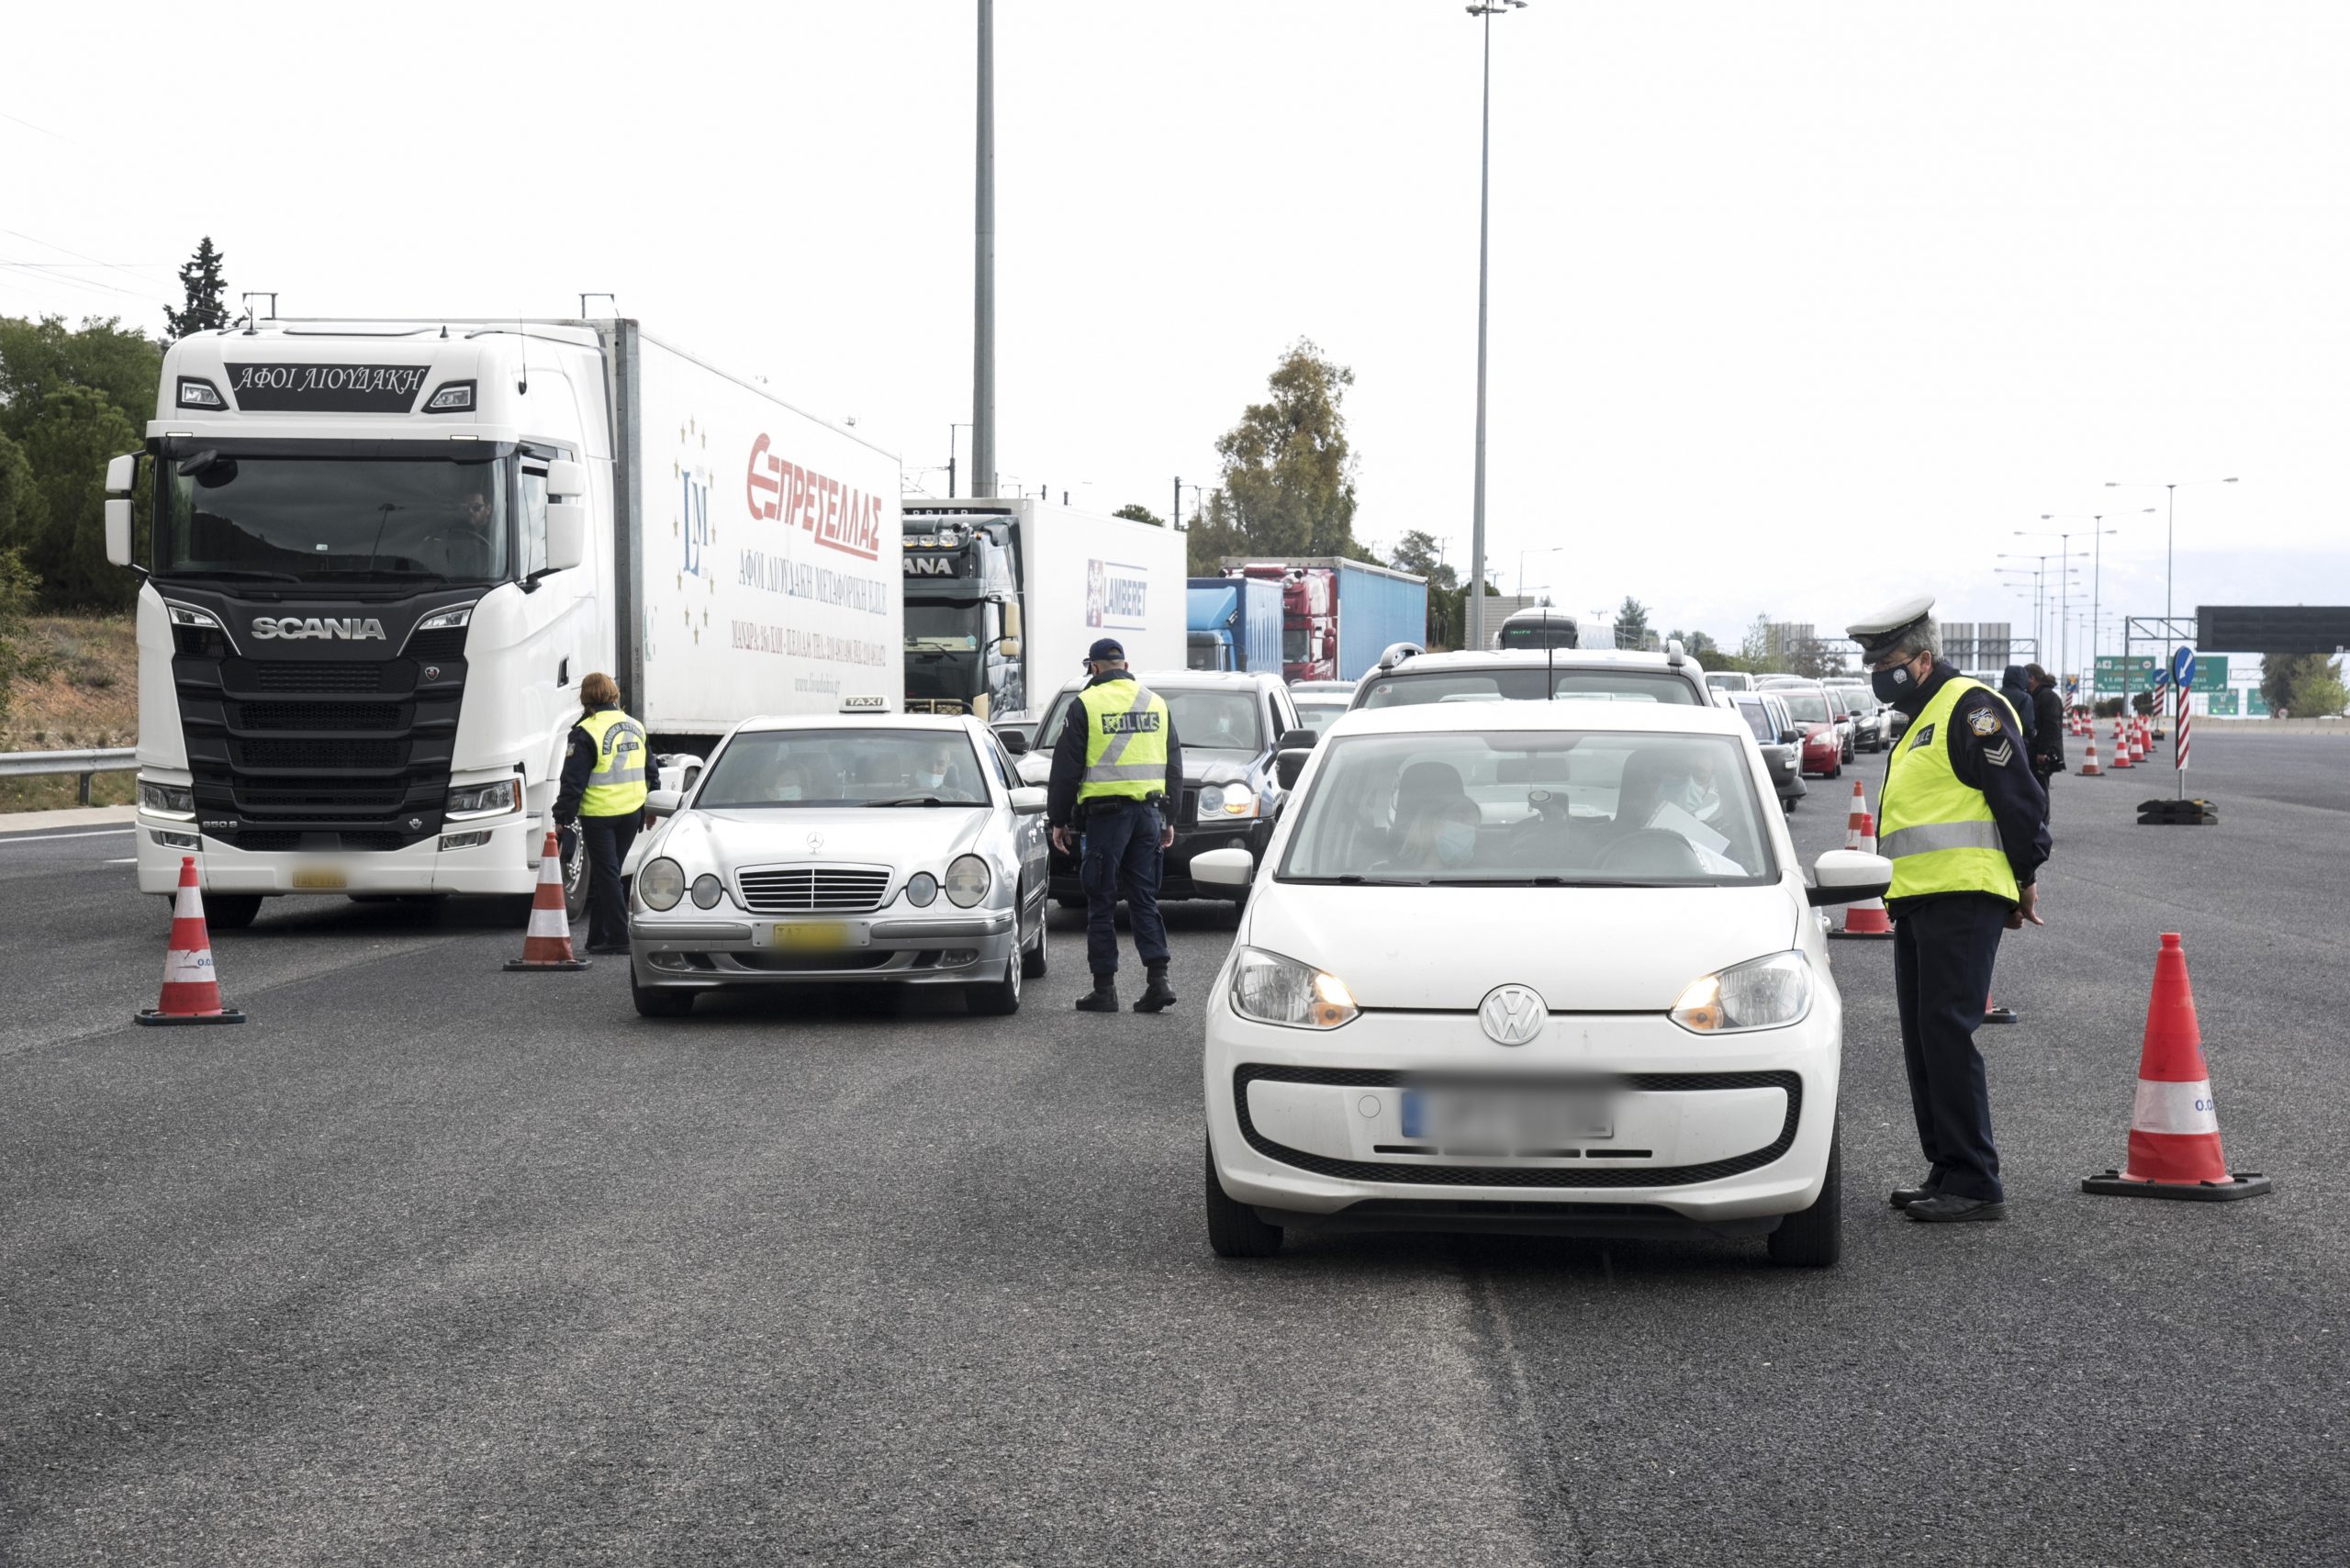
308	755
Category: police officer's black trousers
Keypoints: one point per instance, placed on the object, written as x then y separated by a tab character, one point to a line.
1942	953
608	839
1122	855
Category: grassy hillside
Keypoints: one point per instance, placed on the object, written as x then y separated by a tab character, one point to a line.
80	687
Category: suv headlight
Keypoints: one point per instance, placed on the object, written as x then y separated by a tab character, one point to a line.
661	884
1274	989
967	881
1763	993
167	799
490	799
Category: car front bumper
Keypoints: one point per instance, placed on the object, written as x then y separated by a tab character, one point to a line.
709	949
1727	1132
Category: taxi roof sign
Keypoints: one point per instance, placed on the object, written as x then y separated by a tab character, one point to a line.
865	704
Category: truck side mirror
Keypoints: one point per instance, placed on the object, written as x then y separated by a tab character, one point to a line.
118	531
1009	646
1011	630
566	535
122	473
566	478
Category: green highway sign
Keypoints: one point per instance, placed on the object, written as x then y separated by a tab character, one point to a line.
2137	672
2224	704
2254	703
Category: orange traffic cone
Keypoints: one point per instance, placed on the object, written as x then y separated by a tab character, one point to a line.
191	991
2174	1124
1995	1014
1868	918
2138	747
2090	769
2121	744
547	945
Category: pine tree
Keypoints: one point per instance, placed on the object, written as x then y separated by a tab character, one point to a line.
207	295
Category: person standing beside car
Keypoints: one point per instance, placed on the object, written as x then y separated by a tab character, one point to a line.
1965	825
1116	769
2015	685
601	796
2047	726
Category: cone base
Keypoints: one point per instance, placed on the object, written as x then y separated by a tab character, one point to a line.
512	964
2001	1016
1860	936
2241	1184
151	1016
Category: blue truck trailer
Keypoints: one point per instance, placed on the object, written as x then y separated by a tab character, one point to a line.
1233	623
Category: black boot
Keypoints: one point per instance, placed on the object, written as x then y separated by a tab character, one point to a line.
1157	994
1103	998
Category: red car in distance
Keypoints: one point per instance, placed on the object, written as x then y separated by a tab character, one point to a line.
1814	712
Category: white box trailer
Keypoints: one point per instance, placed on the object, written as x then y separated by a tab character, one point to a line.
382	555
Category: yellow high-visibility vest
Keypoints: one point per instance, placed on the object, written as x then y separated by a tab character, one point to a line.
616	786
1938	830
1126	741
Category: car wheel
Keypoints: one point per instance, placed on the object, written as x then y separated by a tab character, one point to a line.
651	1003
1032	962
1234	1229
1814	1239
1000	999
230	912
1837	771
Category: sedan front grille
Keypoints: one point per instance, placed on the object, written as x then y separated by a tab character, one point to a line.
808	889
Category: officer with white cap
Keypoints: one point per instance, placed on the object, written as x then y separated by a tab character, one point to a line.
1965	822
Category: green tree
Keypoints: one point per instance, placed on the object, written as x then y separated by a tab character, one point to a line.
207	306
2320	694
1421	554
23	512
16	587
68	445
2304	685
1289	472
44	356
1699	645
1134	511
1631	623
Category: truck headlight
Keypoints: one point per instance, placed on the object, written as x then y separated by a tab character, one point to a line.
447	620
967	879
1274	989
1763	994
661	884
489	800
167	799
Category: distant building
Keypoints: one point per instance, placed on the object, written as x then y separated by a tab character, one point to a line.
1979	645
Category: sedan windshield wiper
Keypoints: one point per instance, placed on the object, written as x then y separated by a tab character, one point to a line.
924	800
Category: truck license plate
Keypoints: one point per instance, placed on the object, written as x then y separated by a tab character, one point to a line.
802	935
320	877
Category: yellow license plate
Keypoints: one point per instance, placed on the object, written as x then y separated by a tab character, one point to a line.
320	877
807	934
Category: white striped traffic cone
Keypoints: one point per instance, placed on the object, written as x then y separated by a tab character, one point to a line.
191	990
2090	769
1859	830
1867	919
2173	1122
2120	746
547	946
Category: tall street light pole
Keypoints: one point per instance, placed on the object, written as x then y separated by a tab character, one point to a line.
2170	521
2098	532
2064	538
983	477
1484	11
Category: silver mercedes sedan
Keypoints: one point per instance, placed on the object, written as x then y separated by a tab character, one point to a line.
893	849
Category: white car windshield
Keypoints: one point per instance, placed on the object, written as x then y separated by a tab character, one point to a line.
1578	808
843	767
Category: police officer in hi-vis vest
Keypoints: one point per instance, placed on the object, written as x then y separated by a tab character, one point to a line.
1964	822
603	794
1117	772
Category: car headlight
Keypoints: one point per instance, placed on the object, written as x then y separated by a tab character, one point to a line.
967	879
1274	989
1239	800
708	889
167	799
922	887
661	884
1763	993
484	799
1211	799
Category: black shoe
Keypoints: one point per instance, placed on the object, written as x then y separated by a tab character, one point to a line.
1949	1208
1905	1196
1103	998
1158	995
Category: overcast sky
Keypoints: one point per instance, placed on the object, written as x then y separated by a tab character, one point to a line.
1795	308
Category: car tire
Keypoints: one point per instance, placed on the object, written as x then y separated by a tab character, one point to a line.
998	999
1835	772
1032	962
658	1003
1234	1228
230	912
1814	1237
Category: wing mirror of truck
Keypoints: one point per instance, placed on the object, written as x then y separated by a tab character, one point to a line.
1012	624
1848	876
118	531
1008	646
566	478
566	534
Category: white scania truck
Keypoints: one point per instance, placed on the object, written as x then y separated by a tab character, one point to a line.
381	557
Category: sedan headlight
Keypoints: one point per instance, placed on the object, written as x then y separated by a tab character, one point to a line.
1226	801
922	887
661	884
167	799
1274	989
967	879
1763	994
484	799
707	891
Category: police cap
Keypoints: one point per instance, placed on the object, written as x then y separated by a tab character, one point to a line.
1877	632
1105	650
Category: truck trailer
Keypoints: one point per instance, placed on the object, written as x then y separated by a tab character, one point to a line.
1339	615
1234	625
1005	594
381	557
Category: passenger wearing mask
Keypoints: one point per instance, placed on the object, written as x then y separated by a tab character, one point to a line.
1440	835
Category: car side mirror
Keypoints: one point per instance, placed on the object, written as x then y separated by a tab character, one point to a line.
1028	799
1289	765
1849	876
1790	737
566	535
664	803
1014	742
1224	868
1298	740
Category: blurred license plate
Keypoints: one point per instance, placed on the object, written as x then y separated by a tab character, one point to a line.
802	935
319	877
1508	1120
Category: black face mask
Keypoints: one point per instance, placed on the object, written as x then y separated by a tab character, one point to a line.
1893	685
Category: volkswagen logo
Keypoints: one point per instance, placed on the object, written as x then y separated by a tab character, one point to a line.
1512	1015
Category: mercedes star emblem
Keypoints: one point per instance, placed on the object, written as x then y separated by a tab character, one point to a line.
815	842
1512	1015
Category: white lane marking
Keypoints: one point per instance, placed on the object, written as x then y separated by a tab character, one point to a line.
126	860
60	837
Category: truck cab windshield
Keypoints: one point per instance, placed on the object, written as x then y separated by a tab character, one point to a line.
945	626
322	519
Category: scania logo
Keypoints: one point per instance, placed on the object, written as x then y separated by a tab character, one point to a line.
1512	1015
352	630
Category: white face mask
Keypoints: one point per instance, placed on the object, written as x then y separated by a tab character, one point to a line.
933	780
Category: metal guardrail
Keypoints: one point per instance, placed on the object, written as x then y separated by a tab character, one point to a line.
43	763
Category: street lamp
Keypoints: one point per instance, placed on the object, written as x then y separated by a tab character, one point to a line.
1485	11
2063	585
1522	555
2169	529
2039	590
2097	576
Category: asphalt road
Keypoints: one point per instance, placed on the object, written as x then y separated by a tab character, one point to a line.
432	1263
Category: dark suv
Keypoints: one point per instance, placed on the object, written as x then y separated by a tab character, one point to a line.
1229	723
